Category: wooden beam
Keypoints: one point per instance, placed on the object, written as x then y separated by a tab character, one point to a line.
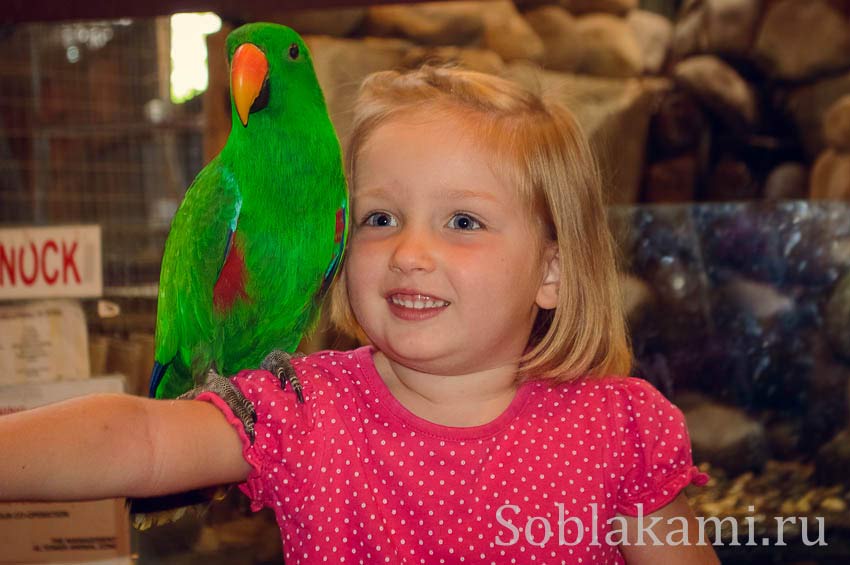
20	11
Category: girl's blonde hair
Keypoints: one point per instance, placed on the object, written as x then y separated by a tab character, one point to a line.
540	149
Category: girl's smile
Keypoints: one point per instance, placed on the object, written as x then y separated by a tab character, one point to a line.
409	304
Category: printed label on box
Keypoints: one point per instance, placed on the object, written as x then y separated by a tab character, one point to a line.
66	532
43	341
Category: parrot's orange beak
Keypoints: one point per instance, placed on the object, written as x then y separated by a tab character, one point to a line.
247	74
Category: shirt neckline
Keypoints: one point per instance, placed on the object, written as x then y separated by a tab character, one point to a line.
381	392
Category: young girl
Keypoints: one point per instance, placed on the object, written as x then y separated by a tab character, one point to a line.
486	422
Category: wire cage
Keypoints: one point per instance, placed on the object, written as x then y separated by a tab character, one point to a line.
88	135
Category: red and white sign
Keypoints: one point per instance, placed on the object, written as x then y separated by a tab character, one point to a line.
61	261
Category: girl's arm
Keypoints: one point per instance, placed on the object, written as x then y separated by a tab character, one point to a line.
646	553
113	445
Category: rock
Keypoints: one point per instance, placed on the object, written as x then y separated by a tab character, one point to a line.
831	176
678	124
802	244
637	295
833	460
671	180
429	23
611	49
801	40
836	124
788	181
715	26
784	438
815	244
825	411
731	180
338	22
557	28
342	64
719	87
834	504
507	33
836	314
726	437
761	300
617	7
471	58
653	33
807	105
614	114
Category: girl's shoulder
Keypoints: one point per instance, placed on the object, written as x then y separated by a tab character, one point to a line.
638	436
629	410
627	393
316	372
332	369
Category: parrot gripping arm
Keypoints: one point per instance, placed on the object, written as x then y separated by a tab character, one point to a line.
277	363
165	509
222	387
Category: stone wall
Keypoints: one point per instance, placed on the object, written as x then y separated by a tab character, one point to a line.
726	101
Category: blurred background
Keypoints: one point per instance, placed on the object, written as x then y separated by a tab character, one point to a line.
722	128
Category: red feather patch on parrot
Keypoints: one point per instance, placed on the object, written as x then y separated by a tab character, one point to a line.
231	281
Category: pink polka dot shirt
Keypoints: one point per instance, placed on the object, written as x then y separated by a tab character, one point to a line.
354	477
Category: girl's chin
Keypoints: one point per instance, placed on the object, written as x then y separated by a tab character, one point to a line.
439	359
414	354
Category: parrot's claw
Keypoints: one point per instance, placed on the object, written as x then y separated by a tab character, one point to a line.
212	374
223	388
277	363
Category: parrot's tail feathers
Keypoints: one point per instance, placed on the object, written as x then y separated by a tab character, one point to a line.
147	521
162	510
156	377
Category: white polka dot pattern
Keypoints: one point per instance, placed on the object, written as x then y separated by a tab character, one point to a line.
356	478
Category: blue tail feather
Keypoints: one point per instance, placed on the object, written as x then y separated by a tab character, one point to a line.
156	377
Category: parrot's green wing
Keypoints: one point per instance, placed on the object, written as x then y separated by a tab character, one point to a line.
201	237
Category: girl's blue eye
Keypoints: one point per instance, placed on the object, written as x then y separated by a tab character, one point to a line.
380	220
464	222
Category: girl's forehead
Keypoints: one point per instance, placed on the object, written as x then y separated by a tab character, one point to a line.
461	130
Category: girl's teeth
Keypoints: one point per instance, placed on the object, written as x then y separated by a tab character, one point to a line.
419	304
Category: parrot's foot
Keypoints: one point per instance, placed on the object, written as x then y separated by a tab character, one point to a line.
222	387
277	363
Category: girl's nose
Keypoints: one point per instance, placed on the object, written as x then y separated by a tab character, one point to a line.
412	252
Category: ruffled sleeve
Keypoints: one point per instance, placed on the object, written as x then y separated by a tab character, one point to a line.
281	423
652	461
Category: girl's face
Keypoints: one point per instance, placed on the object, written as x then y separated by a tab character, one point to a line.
446	269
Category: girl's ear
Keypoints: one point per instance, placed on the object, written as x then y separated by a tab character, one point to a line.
547	294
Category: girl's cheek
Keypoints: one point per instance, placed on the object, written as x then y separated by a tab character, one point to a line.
359	264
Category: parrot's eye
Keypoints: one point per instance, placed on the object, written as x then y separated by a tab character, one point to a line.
293	51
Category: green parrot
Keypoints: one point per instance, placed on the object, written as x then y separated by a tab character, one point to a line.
259	235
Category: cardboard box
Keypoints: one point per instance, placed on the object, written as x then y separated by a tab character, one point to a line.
62	532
